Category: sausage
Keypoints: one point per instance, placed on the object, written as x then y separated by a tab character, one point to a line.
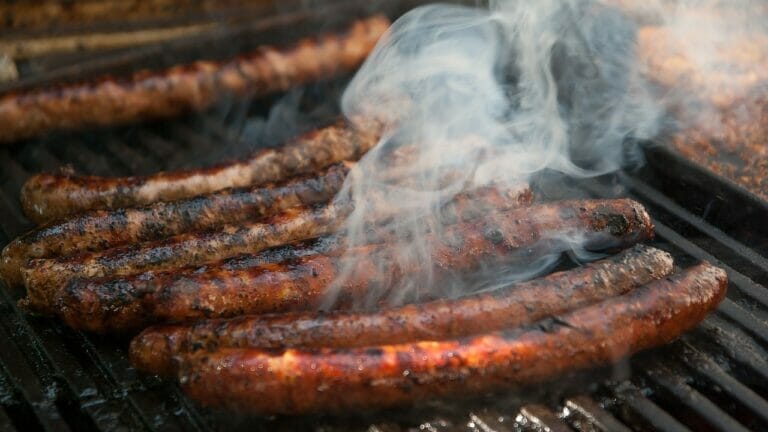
44	277
520	235
48	196
298	381
180	89
102	229
512	306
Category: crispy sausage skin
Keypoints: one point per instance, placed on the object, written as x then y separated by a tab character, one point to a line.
521	235
48	196
45	276
296	381
102	229
154	349
180	89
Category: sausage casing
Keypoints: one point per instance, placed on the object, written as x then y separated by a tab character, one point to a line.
296	381
519	235
180	89
154	349
44	277
102	229
50	196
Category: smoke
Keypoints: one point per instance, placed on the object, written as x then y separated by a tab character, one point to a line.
476	97
708	56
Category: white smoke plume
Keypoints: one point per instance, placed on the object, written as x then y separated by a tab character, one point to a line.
474	97
707	55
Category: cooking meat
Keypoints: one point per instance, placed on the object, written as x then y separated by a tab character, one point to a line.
521	235
180	89
50	196
296	381
46	276
155	348
102	229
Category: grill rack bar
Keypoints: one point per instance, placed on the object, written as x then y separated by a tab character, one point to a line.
674	385
587	415
704	367
637	407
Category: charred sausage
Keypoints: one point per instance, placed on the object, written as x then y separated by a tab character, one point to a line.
180	89
49	196
154	349
522	235
101	229
44	277
297	381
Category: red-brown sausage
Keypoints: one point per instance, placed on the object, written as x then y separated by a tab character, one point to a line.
102	229
196	86
296	381
49	196
522	235
44	277
154	349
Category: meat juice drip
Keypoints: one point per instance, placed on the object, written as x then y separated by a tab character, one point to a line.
494	96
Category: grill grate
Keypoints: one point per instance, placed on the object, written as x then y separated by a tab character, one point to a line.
54	378
714	378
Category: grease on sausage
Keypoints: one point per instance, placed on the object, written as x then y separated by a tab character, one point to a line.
298	381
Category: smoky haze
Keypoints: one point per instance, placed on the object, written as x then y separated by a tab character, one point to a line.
487	97
708	56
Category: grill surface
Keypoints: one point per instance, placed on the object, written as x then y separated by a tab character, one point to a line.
714	378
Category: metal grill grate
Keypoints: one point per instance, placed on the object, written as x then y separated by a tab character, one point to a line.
714	378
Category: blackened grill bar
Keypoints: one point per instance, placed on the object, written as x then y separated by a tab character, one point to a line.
95	389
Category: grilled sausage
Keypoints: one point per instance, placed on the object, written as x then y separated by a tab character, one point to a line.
180	89
44	277
522	235
336	379
154	349
48	196
101	229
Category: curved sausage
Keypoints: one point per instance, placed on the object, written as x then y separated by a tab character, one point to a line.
180	89
521	235
296	381
49	196
101	229
44	277
515	305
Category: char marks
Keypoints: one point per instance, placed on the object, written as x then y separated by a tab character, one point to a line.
299	381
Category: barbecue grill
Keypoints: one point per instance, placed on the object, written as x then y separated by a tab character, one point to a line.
55	378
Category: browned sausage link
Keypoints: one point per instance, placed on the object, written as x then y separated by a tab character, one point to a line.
101	229
513	306
44	277
115	304
166	93
49	196
299	381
